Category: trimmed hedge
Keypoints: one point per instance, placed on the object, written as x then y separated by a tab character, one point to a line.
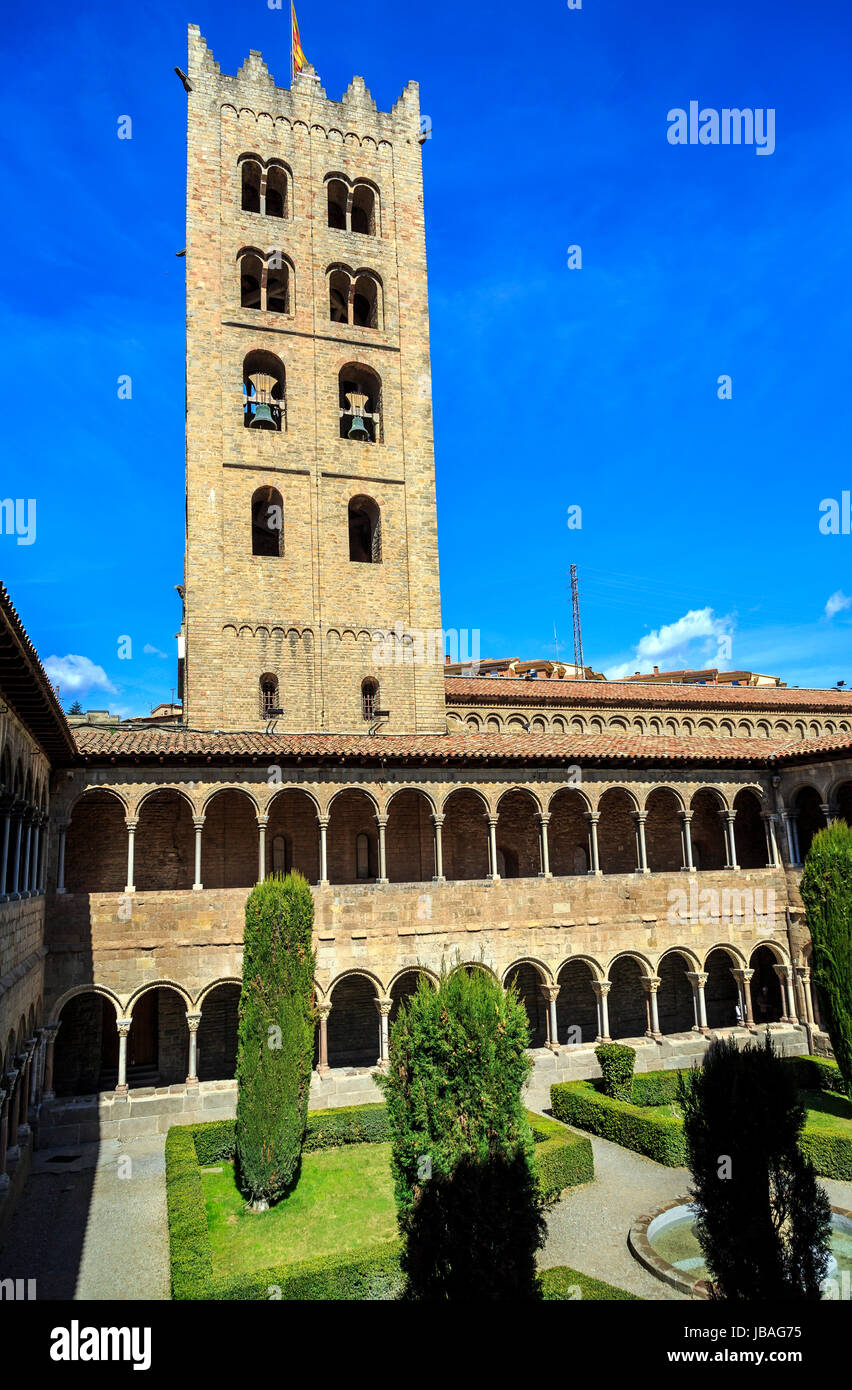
561	1284
366	1275
657	1136
582	1103
561	1157
616	1062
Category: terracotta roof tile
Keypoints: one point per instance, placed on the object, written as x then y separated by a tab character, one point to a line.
501	690
168	745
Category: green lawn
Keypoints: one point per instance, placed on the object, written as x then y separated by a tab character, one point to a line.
343	1201
828	1110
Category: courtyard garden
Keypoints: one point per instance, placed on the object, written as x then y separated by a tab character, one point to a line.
335	1234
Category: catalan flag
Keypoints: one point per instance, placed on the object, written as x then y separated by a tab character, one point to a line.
297	55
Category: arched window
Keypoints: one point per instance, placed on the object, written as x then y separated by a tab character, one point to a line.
251	280
276	191
277	285
338	196
365	302
267	522
268	695
250	174
338	296
369	699
365	531
363	215
360	404
264	397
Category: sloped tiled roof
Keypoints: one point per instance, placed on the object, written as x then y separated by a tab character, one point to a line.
148	745
25	685
502	690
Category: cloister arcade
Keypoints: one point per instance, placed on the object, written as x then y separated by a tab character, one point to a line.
163	1036
169	840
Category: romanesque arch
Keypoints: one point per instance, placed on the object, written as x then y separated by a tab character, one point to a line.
576	1006
674	996
353	841
164	856
410	837
96	844
465	835
568	832
353	1023
617	831
292	835
229	841
749	834
663	831
708	836
628	1013
518	836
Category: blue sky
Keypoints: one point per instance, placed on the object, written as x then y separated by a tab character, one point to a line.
552	387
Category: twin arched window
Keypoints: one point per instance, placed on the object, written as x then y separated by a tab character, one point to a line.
365	531
354	297
265	188
265	281
267	522
352	206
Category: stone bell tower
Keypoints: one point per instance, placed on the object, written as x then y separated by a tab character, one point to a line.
310	490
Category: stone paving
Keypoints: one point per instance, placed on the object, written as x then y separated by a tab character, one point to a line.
93	1228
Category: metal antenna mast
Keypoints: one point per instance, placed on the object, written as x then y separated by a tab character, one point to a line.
578	636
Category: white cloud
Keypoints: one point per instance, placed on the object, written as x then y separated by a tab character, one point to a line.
153	651
669	646
76	673
837	603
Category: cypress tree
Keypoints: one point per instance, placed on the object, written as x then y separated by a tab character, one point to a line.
468	1205
763	1221
275	1038
827	894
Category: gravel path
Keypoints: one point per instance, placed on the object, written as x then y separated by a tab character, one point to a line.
588	1229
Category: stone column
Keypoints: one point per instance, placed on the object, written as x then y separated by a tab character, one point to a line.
323	830
788	830
18	815
192	1021
743	979
593	817
698	979
36	1068
198	822
551	993
26	1078
44	842
60	873
650	984
4	1134
7	804
829	812
13	1078
25	857
51	1029
123	1026
639	819
262	823
384	1008
785	975
438	824
382	823
794	826
686	840
323	1009
804	974
492	848
772	860
543	819
36	852
602	989
131	834
730	841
